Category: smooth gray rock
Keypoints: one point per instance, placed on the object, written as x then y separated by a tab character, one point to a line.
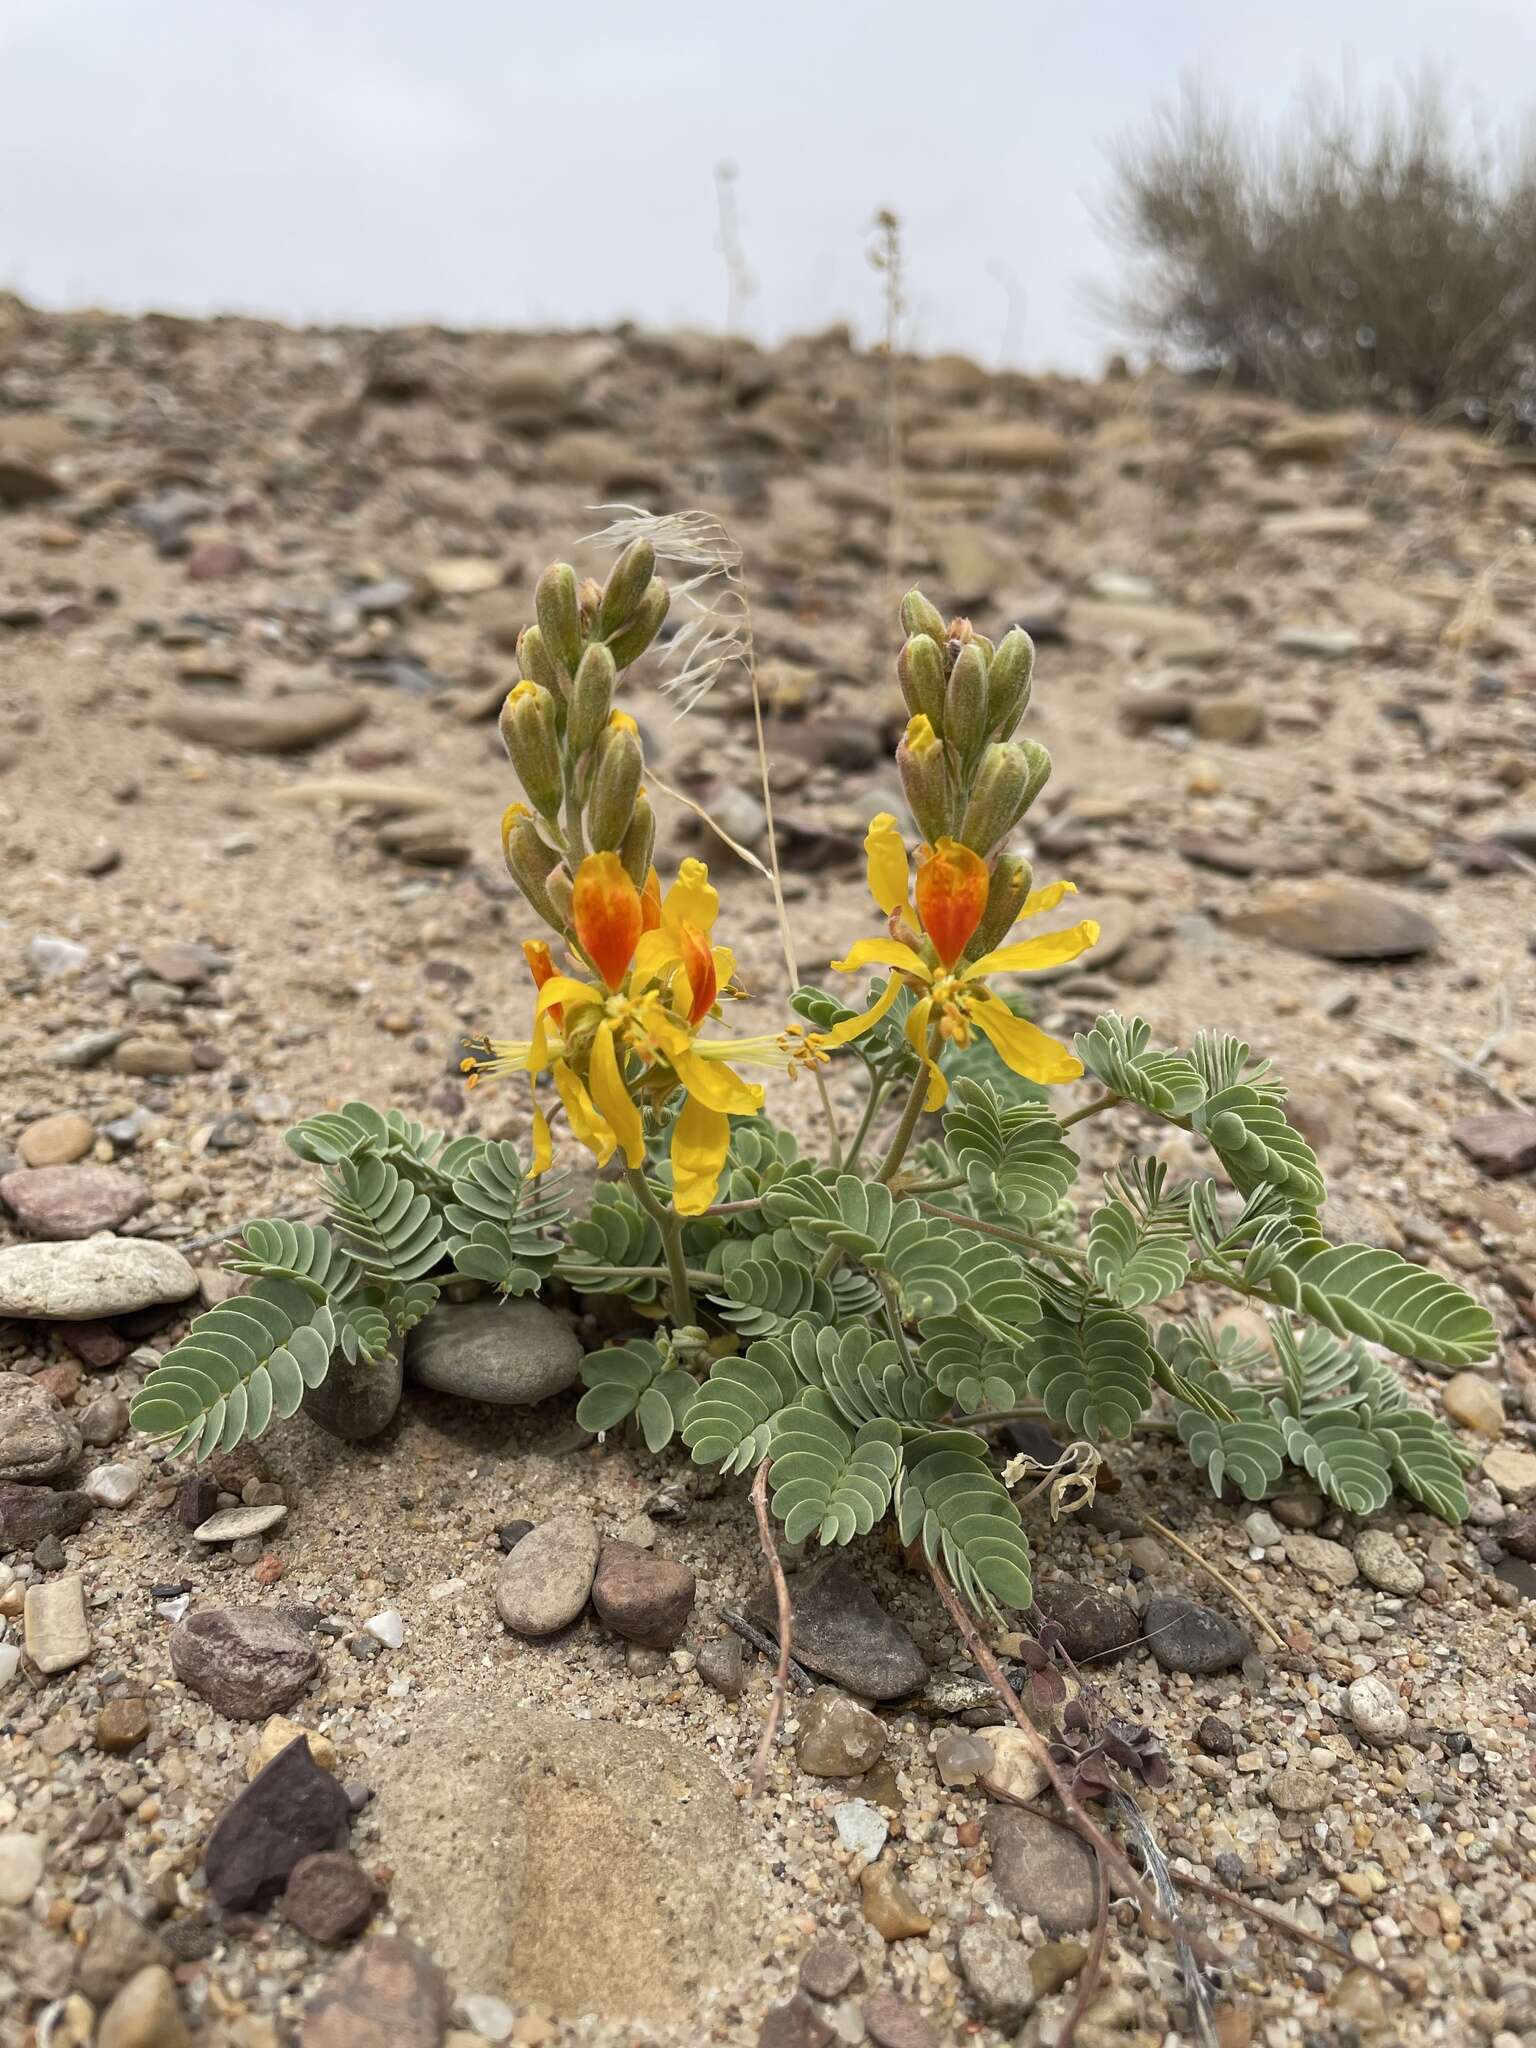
546	1580
356	1400
88	1278
1039	1868
843	1633
511	1352
1184	1636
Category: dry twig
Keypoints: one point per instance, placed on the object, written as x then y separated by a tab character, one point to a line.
1088	1981
1235	1592
786	1620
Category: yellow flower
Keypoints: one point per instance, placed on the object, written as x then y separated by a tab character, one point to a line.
942	915
634	1032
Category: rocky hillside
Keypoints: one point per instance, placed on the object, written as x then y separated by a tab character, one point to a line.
259	596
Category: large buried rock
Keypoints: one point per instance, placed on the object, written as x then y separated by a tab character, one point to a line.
593	1868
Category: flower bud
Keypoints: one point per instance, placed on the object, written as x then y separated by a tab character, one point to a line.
639	841
529	861
558	606
995	798
1008	682
534	660
591	697
560	895
615	784
919	616
626	585
529	733
920	763
920	671
633	638
589	597
965	702
1039	774
1006	897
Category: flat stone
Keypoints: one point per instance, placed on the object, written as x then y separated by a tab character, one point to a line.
291	1810
1040	1868
841	1632
54	1203
893	2023
1376	1711
1502	1143
29	1513
388	1994
995	1966
56	1140
230	1525
1320	1559
1234	721
644	1598
146	2013
56	1632
829	1968
1473	1401
1386	1565
1337	921
837	1738
547	1580
122	1725
154	1059
1297	1790
604	1875
37	1439
329	1896
1319	643
285	725
1184	1636
21	1867
722	1666
96	1277
1512	1472
247	1662
1325	522
1013	445
512	1352
1093	1625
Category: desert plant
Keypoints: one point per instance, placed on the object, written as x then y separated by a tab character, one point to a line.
1384	259
863	1327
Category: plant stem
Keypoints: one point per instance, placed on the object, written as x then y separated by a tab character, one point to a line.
890	1165
669	1223
879	1088
697	1275
1041	1247
1105	1101
893	1319
786	1624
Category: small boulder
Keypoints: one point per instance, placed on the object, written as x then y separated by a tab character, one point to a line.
1042	1869
842	1633
58	1203
1094	1625
511	1352
247	1662
547	1579
644	1598
292	1810
95	1277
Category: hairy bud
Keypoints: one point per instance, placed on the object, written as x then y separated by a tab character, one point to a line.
920	763
633	638
529	861
534	660
639	841
560	895
920	671
591	697
1006	896
626	585
531	737
1039	773
965	702
1008	682
615	784
919	616
995	798
557	604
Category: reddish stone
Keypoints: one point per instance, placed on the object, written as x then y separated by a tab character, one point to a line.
645	1599
96	1344
211	561
61	1379
268	1569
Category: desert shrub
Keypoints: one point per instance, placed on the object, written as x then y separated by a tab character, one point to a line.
1347	258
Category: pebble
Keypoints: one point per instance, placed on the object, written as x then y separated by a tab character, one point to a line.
1386	1565
103	1420
21	1867
56	1632
995	1966
1056	1963
842	1633
1184	1636
10	1664
233	1525
829	1968
285	725
645	1599
837	1738
56	1140
154	1059
1015	1772
1094	1625
28	1514
545	1582
1299	1510
1216	1737
146	2013
722	1666
795	2024
329	1896
387	1994
122	1725
196	1499
289	1811
1519	1537
1041	1869
59	1203
1318	1558
247	1662
1335	920
1501	1142
893	2023
1473	1401
95	1277
275	1737
888	1906
861	1828
511	1352
961	1756
1376	1711
50	957
388	1626
37	1439
1512	1472
1297	1790
118	1947
1264	1532
113	1486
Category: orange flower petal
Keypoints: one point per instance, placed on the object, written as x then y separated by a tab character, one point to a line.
952	884
699	966
542	968
650	902
607	915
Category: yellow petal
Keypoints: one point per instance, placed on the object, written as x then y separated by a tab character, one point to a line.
1039	900
1024	1046
886	863
1051	949
716	1086
701	1138
565	988
917	1037
543	1147
612	1097
855	1027
884	953
656	952
586	1125
692	898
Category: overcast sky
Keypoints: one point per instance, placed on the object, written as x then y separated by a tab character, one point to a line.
496	162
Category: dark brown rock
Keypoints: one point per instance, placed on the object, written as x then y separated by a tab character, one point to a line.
1519	1537
55	1203
196	1498
1042	1869
1093	1625
389	1994
843	1633
289	1811
1501	1143
248	1662
644	1598
722	1665
330	1897
122	1725
95	1344
29	1513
